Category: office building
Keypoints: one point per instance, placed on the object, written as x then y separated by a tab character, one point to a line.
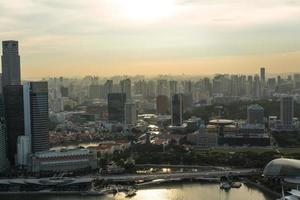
130	113
256	87
177	109
162	87
14	115
3	147
64	91
162	104
36	115
255	114
173	87
94	91
116	107
10	63
125	86
263	75
286	111
108	88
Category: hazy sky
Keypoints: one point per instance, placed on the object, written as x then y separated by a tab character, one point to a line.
109	37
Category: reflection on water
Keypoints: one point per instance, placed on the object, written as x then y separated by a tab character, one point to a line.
191	191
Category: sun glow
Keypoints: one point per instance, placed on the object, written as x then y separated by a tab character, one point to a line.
146	10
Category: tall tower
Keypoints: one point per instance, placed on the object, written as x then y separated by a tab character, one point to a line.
287	111
130	113
126	87
14	115
116	107
177	109
263	75
11	74
38	120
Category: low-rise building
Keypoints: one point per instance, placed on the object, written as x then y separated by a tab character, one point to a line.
63	161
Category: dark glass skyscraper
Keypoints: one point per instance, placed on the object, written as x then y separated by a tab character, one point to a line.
14	115
177	109
10	63
116	107
39	116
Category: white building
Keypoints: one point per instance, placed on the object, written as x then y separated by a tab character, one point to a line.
64	160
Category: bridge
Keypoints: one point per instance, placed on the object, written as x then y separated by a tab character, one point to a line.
179	175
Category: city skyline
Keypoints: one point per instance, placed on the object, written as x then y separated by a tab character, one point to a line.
108	38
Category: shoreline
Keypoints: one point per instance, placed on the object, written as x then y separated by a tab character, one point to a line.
142	186
261	187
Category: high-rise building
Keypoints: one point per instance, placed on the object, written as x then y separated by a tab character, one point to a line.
187	87
14	115
287	111
116	107
10	63
263	75
173	87
162	87
177	109
162	104
108	88
36	115
130	113
256	87
94	91
3	147
64	91
125	86
187	100
255	114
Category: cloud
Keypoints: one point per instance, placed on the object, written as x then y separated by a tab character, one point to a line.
55	29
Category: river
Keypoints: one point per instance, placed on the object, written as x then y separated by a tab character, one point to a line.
184	191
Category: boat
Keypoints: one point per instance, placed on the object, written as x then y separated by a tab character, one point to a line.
236	185
225	186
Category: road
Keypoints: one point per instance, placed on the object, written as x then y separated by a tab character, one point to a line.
184	175
181	166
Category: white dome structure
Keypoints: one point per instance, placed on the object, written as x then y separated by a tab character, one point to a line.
283	167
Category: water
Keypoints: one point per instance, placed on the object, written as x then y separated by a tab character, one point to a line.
188	191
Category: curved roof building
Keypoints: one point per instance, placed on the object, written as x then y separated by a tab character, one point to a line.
283	167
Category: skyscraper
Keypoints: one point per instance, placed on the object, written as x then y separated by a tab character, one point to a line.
125	86
116	107
14	115
10	63
94	91
177	109
263	75
162	104
287	111
36	115
256	87
108	88
130	113
173	87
